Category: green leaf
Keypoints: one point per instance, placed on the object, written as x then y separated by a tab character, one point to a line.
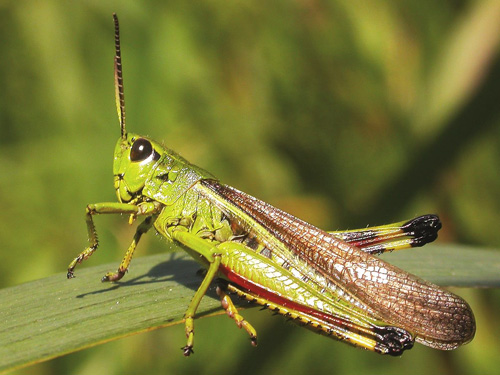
51	317
451	265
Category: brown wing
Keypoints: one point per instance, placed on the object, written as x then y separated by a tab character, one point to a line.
440	319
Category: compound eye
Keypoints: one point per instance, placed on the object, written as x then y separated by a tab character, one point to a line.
141	150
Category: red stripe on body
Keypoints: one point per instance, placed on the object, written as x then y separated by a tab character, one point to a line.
259	291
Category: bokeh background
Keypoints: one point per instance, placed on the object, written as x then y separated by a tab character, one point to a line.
345	113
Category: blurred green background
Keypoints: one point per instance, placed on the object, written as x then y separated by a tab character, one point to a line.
345	113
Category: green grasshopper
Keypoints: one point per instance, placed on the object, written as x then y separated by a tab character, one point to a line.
329	282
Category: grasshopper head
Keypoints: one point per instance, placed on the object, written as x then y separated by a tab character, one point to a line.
135	156
135	159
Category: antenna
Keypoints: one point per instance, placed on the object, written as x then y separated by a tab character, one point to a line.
119	94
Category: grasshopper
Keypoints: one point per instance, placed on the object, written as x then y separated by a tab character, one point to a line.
330	282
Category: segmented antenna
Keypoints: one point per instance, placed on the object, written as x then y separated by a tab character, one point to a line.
119	94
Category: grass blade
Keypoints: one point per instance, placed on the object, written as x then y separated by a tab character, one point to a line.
51	317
